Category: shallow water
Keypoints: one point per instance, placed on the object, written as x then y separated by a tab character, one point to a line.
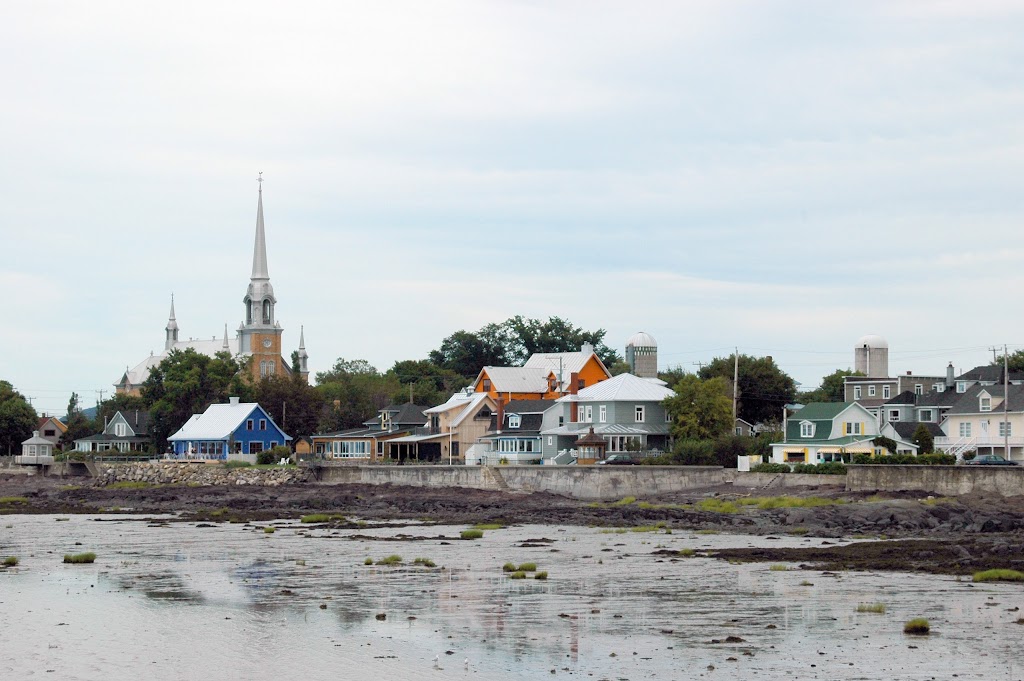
177	601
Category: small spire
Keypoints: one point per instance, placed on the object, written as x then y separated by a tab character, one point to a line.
259	252
302	337
225	344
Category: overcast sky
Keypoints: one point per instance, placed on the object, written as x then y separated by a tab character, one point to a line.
780	176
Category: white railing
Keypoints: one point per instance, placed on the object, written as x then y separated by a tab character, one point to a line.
33	460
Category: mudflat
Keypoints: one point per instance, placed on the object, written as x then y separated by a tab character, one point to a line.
919	533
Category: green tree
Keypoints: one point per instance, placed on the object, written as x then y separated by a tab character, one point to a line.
17	419
832	388
115	403
511	343
78	425
620	367
352	392
700	410
185	383
294	405
922	437
764	389
1014	361
432	385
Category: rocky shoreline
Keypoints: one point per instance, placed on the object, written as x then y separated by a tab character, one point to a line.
961	534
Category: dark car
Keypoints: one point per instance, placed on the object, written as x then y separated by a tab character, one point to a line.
617	460
990	460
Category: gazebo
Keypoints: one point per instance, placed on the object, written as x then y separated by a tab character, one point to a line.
590	448
35	451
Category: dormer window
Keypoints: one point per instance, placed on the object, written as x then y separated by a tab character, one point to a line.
984	403
961	386
806	429
514	420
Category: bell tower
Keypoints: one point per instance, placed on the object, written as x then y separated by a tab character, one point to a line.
260	334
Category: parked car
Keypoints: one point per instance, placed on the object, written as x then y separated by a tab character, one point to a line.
617	460
990	460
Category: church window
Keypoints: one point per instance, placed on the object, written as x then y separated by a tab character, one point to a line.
248	312
266	311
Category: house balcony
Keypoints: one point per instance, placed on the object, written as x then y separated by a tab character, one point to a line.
980	441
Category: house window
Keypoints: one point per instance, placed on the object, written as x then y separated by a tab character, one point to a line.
487	385
856	392
581	384
853	428
273	443
738	430
937	387
918	389
894	415
514	420
926	415
940	387
965	430
668	417
255	447
639	413
886	391
120	429
602	413
380	447
49	432
984	403
806	429
961	386
1005	429
871	391
249	424
551	440
590	414
263	424
579	413
561	420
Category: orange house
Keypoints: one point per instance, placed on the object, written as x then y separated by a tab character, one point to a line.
545	376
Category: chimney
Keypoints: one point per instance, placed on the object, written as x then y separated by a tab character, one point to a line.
587	348
136	417
950	378
909	374
574	383
233	400
500	414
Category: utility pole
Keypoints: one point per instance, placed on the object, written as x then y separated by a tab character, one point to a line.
700	365
735	384
1006	400
100	391
994	349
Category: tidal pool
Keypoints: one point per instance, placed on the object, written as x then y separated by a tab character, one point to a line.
172	600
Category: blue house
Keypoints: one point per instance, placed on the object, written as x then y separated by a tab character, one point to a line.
228	431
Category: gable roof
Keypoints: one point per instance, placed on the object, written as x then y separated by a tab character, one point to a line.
968	402
906	429
401	415
528	406
469	403
567	362
137	420
517	379
219	421
905	397
623	388
43	420
821	411
989	373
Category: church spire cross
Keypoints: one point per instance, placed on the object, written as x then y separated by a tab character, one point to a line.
259	253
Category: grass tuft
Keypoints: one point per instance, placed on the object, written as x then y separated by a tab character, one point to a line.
624	501
877	608
715	505
999	576
541	575
488	526
13	500
269	530
425	562
323	518
368	561
686	553
78	558
517	575
788	502
393	559
10	561
527	567
129	484
471	534
918	626
508	567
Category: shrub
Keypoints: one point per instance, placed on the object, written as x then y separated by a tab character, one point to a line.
770	468
508	567
934	459
729	448
425	562
918	626
10	561
695	453
541	575
89	557
999	576
368	561
266	457
877	608
471	534
528	567
393	559
826	468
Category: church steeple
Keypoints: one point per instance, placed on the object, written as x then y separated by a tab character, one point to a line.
171	330
303	355
259	298
224	345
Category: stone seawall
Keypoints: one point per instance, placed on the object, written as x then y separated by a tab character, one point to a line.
197	474
1006	481
598	483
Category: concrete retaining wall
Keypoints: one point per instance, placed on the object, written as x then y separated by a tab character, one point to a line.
784	480
597	483
1007	481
